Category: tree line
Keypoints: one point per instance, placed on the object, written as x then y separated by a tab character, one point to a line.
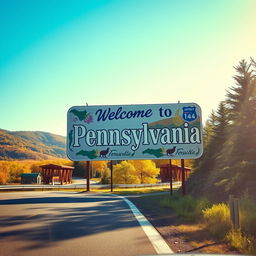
228	164
124	172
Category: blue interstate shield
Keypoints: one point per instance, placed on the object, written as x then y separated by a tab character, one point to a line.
189	114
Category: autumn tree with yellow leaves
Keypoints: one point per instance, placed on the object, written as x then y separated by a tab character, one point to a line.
145	170
135	172
125	173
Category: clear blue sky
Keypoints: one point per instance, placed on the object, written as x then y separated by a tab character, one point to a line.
55	54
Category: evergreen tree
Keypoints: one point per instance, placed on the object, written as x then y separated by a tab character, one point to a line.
241	102
205	161
202	166
240	92
216	132
220	134
229	140
79	169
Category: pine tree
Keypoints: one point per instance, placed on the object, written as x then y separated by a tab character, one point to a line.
79	169
239	93
228	164
220	134
241	102
202	166
205	161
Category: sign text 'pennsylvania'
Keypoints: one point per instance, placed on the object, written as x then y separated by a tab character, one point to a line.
158	131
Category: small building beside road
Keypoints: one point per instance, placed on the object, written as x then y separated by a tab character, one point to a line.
176	172
30	178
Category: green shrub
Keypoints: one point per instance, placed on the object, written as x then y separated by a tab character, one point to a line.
217	220
186	206
105	178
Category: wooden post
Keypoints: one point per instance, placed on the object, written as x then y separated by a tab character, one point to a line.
170	175
234	212
88	176
183	177
61	175
237	217
64	175
111	176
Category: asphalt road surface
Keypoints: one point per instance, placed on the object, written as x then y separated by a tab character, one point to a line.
72	224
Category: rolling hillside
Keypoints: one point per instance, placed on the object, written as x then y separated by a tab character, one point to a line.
31	145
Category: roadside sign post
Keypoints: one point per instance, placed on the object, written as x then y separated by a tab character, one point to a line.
87	176
111	176
183	177
170	175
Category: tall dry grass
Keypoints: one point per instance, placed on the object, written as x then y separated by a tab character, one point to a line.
217	220
244	238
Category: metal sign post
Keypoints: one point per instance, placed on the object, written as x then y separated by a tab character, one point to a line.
111	176
170	172
183	177
87	176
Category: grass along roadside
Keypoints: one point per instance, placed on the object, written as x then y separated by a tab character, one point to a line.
182	235
132	191
119	191
216	219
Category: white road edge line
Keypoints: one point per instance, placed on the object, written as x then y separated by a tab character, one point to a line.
154	237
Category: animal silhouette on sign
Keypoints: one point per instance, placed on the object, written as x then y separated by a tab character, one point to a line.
103	153
170	151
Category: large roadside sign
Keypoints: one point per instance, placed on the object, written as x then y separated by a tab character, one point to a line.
121	132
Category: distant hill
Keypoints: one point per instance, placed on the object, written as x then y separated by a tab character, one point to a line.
31	145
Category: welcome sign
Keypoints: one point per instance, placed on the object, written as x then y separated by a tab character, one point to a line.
158	131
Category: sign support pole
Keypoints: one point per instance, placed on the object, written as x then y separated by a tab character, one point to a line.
183	177
87	176
111	176
170	175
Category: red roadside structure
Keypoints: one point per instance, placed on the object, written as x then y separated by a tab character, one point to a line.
176	172
54	172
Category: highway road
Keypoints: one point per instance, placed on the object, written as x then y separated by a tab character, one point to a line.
69	223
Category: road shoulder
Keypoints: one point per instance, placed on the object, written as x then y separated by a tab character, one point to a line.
153	235
182	237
